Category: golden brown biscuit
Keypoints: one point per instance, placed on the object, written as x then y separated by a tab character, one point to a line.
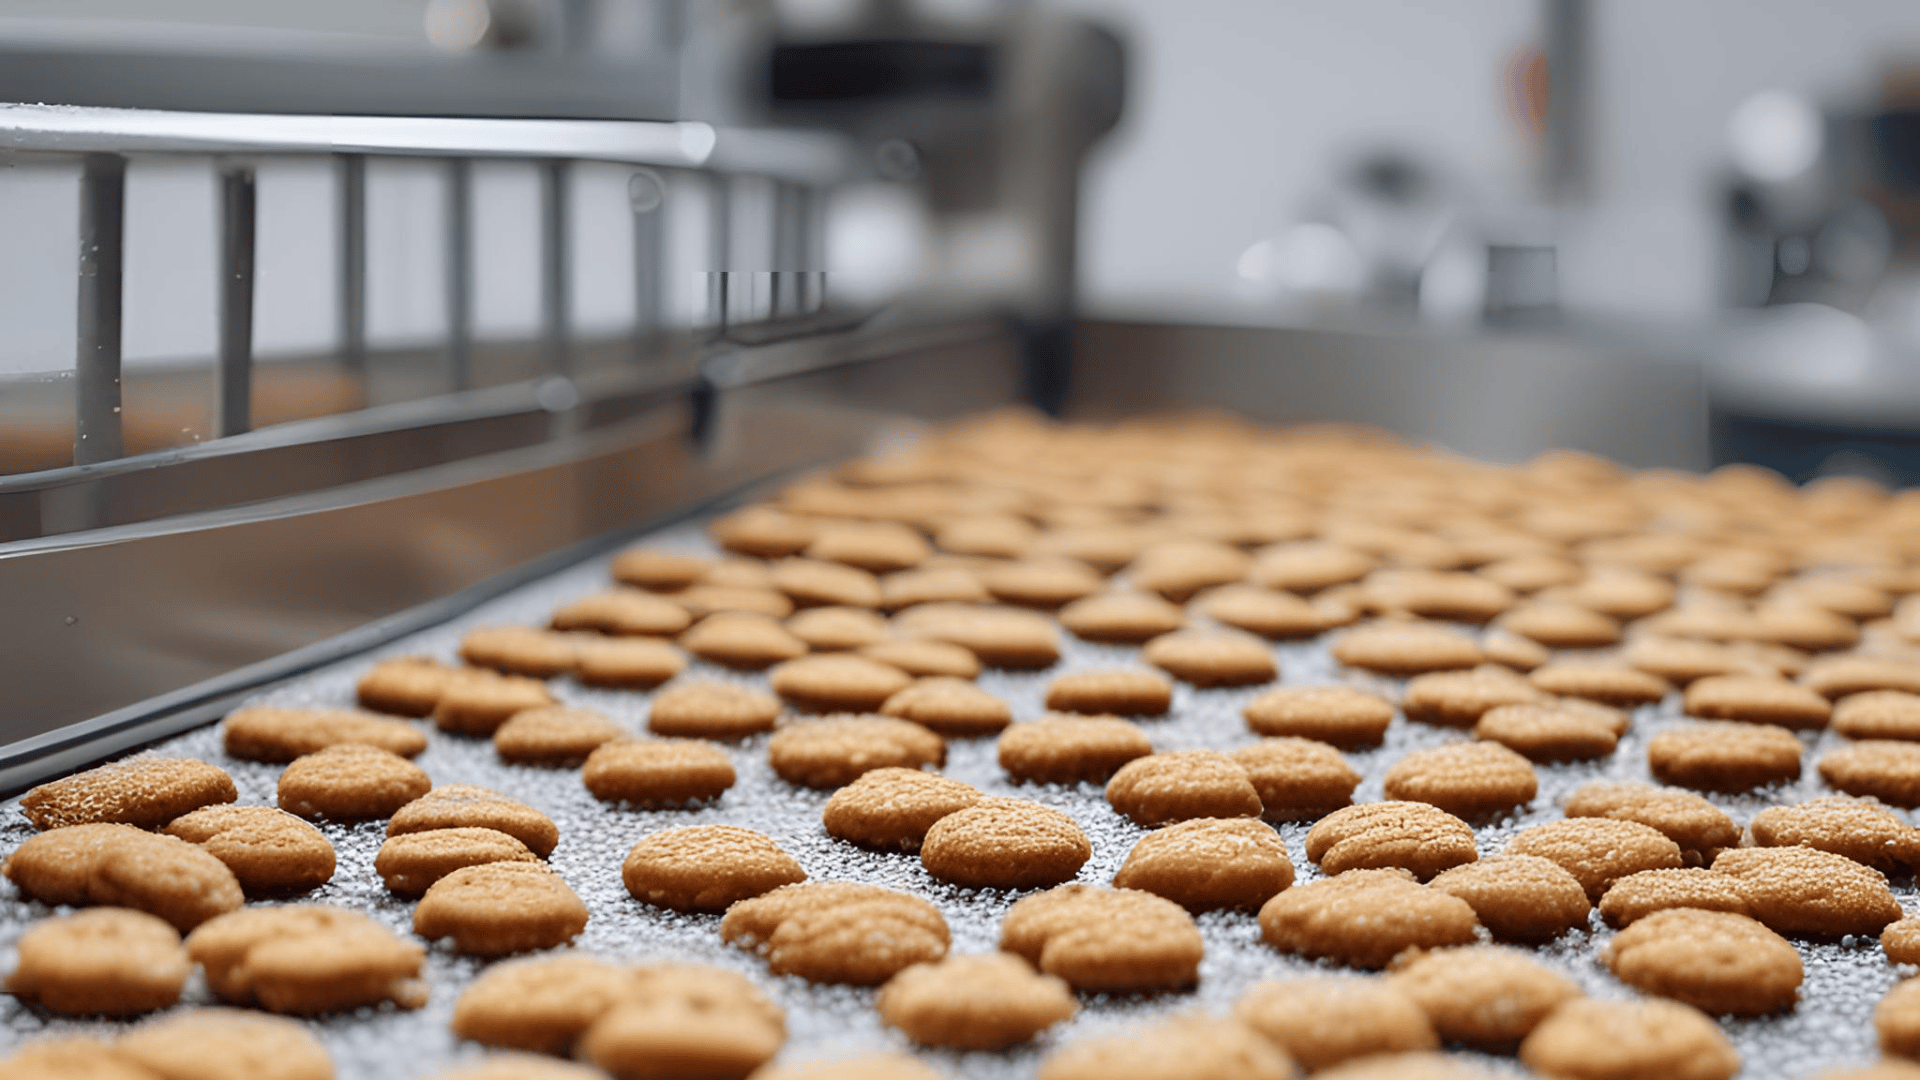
1531	573
542	1005
998	536
877	546
1127	692
1761	699
1588	1039
658	571
838	932
1842	676
1414	836
1879	714
706	867
1449	595
1598	851
1518	897
1797	890
1724	755
931	585
411	862
1699	827
1466	779
952	707
456	806
744	640
1324	1021
1511	650
225	1044
1901	940
762	532
857	1067
1176	569
1715	961
624	612
350	782
1119	941
1561	625
1047	582
1337	715
924	659
267	733
1163	788
974	1002
72	1057
1209	863
1099	543
837	683
1459	698
1365	918
1887	1069
1860	829
1211	658
1267	612
626	663
1800	626
894	807
1606	683
1484	996
686	1020
268	850
554	735
1005	844
706	600
814	583
837	750
838	629
1623	594
404	685
1125	617
1680	660
121	866
1567	730
662	773
1897	1019
1638	895
476	701
1405	648
1297	779
711	710
521	650
1310	566
1000	636
144	790
1879	769
500	908
105	961
308	959
1183	1046
1060	749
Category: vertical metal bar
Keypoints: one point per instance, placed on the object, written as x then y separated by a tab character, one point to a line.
789	241
103	200
1568	48
812	286
720	244
555	273
647	195
459	270
353	266
233	401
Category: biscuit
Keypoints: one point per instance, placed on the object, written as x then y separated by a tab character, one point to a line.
1309	566
623	612
1589	1039
411	862
1557	624
1125	692
836	932
1699	827
1897	1019
931	585
1466	779
924	659
1209	863
105	961
838	629
762	532
1623	594
1802	627
703	601
1190	1045
664	773
1567	730
268	733
554	735
350	782
712	710
627	663
1518	897
1531	573
879	547
974	1002
997	536
121	866
268	850
658	571
1060	749
813	583
1005	844
1459	698
836	750
308	959
1163	788
1404	648
1511	650
1638	895
1101	545
1797	890
1365	918
540	1005
686	1020
1211	658
500	908
1598	851
225	1044
1297	779
837	683
1760	699
706	867
1680	660
1854	598
1436	594
1901	940
456	806
1608	684
1724	755
1860	829
1267	612
1047	582
1880	769
1716	961
144	790
1879	714
1414	836
1889	1069
71	1058
520	650
893	807
1841	676
1324	1021
999	636
858	1067
477	701
1176	569
953	707
744	640
1484	996
1117	941
404	685
1123	617
1337	715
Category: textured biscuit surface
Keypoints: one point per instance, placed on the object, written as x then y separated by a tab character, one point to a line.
836	629
836	932
1105	940
658	772
1126	692
1551	731
226	1044
1757	698
350	782
894	807
706	867
833	683
268	850
1365	918
711	710
1058	749
1000	636
1209	863
1471	779
1005	844
1267	612
411	862
1609	684
1414	836
1901	941
1337	715
1161	788
1717	961
520	650
143	790
1297	779
626	663
542	1004
922	659
1897	1019
308	959
1322	1022
1211	658
1879	714
500	908
106	961
1724	755
1480	995
554	735
837	750
1860	829
121	866
404	685
267	733
1406	648
1877	768
1636	896
454	806
1797	890
686	1020
1192	1045
475	701
742	639
1699	827
1598	851
1126	617
1621	1040
974	1002
623	611
1518	897
951	706
1459	698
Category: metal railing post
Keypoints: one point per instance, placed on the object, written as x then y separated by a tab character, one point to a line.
233	401
103	200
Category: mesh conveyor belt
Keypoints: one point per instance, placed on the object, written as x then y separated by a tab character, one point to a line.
1832	1025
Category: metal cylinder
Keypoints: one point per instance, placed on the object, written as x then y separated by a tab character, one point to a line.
103	197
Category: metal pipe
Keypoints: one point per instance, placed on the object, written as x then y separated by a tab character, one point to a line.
103	200
720	249
789	250
647	195
353	266
1569	45
555	271
459	270
233	401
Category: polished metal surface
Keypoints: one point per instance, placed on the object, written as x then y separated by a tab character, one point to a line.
459	274
352	200
556	272
233	397
103	200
